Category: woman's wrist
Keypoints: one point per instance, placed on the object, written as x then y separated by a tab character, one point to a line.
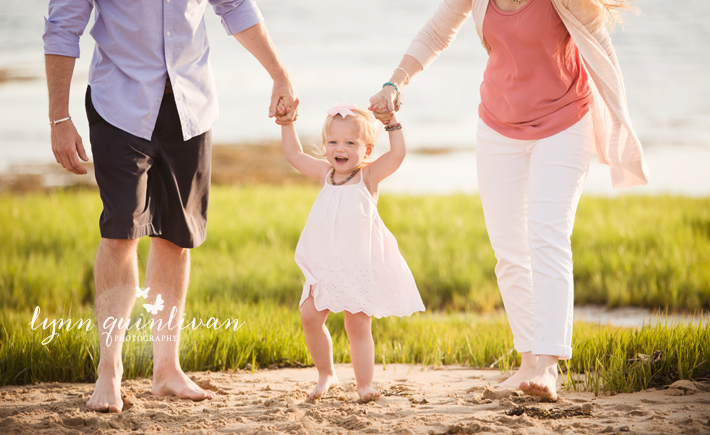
399	78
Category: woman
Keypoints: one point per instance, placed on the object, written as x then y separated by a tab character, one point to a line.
552	92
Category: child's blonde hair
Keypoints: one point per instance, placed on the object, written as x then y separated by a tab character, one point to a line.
364	120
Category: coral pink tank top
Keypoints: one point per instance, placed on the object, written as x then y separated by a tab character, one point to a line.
534	85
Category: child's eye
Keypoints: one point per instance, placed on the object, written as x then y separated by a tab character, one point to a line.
351	143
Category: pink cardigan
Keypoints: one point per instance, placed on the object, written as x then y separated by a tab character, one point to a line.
615	141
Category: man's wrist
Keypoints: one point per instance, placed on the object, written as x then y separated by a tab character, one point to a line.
281	74
53	122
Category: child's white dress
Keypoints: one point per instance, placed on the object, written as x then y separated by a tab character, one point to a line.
350	259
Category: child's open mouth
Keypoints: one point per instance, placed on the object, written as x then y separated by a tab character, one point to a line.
341	159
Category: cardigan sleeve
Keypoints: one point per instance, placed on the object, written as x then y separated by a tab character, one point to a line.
439	31
617	144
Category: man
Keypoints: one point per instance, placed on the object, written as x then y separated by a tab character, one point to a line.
150	104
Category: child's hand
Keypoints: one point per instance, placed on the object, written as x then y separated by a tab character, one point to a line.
280	110
382	113
382	105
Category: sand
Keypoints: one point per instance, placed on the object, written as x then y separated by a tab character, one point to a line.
415	400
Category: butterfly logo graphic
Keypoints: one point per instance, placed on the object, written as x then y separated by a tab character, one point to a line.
157	306
142	293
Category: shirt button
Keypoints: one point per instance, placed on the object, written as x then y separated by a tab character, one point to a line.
159	100
168	1
168	33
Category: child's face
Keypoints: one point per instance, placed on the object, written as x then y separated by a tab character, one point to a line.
345	147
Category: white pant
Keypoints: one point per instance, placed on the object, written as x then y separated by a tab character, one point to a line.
530	190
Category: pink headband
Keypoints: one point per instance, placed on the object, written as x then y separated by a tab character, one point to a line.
343	110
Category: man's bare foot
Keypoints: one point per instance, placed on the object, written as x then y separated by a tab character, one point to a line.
543	384
107	394
174	382
525	371
368	394
325	383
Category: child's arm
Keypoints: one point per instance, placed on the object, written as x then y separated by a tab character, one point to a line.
390	161
305	164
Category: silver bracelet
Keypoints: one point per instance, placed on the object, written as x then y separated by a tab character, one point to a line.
53	123
405	72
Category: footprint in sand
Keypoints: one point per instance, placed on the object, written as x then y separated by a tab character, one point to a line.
351	422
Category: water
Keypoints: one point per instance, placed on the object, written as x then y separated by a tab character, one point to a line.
342	51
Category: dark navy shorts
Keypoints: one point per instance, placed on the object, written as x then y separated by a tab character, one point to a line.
158	187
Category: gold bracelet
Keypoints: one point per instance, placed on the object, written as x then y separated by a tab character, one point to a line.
53	123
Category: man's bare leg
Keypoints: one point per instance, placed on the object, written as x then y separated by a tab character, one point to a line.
116	278
167	274
525	372
544	382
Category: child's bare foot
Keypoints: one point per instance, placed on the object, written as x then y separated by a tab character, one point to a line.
368	394
325	383
543	384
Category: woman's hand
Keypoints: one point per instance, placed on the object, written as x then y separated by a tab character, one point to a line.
382	104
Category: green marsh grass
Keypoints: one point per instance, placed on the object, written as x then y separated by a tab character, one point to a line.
624	360
630	251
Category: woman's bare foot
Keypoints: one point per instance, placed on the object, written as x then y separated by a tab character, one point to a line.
544	383
368	394
525	371
325	383
107	394
174	382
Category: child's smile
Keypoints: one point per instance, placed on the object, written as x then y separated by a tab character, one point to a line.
345	147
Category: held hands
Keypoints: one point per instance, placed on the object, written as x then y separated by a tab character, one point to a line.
382	105
284	102
66	146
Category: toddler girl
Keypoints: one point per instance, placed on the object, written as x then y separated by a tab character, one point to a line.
349	258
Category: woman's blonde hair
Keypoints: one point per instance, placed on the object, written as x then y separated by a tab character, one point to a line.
613	10
365	121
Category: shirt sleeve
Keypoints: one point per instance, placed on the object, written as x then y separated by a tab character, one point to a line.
64	26
237	15
439	31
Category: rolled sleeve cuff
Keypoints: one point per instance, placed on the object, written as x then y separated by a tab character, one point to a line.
244	16
59	41
424	54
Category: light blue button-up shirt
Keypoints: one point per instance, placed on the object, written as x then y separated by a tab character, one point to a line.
138	44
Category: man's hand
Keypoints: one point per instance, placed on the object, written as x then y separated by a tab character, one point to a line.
66	142
66	146
284	102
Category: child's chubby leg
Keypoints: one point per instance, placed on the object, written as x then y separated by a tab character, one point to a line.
362	353
320	346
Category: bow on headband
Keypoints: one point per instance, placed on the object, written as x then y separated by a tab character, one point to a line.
343	110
